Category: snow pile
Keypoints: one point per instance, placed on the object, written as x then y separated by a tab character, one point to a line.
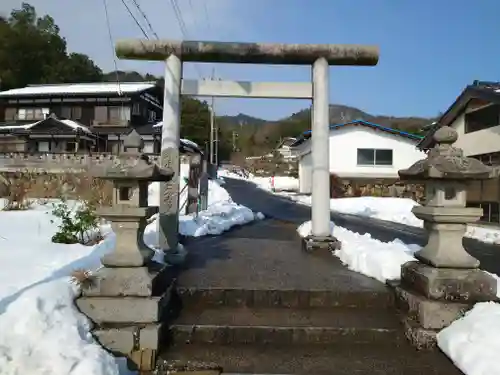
366	255
40	329
217	219
484	234
221	215
397	210
473	342
277	183
234	174
42	332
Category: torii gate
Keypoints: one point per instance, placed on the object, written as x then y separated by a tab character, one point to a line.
320	56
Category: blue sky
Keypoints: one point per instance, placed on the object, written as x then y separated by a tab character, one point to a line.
430	49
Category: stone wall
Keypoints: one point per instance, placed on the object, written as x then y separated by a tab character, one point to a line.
272	166
59	162
46	185
387	188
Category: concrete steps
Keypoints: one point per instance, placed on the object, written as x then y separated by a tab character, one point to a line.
284	326
200	298
293	332
317	360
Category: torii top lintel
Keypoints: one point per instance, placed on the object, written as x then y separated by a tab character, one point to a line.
250	53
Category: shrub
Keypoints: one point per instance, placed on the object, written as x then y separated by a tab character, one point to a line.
75	223
17	189
337	188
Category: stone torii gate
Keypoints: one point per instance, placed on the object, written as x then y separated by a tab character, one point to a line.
320	56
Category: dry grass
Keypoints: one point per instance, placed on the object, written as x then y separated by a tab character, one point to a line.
18	187
24	187
84	279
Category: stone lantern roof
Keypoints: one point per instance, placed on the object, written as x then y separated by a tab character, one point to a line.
133	165
446	162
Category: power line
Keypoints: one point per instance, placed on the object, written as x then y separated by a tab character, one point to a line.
108	24
145	18
135	19
206	16
182	25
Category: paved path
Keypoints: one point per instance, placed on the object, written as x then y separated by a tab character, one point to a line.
283	208
252	301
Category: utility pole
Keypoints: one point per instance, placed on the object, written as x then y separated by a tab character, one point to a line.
235	136
212	123
214	131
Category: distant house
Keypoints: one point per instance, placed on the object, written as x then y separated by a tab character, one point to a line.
284	148
78	117
360	150
475	115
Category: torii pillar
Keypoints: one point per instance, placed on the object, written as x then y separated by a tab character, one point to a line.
319	56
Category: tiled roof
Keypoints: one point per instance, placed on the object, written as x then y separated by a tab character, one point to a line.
307	134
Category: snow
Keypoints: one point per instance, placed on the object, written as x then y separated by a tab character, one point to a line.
221	215
80	88
473	341
41	331
72	124
280	183
367	255
75	125
36	300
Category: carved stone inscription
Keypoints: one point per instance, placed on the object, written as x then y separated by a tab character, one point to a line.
170	190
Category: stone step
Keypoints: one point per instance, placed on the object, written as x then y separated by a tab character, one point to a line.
317	360
199	298
280	326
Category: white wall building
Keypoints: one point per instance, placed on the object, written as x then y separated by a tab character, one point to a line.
360	150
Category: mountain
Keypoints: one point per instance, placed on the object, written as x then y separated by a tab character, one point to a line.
259	135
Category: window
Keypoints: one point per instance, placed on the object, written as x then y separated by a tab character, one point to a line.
149	147
483	118
10	114
112	115
119	113
43	146
32	113
71	147
370	156
136	109
152	116
72	113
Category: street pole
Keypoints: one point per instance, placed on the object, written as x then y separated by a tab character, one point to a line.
211	146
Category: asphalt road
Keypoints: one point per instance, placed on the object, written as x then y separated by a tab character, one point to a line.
284	209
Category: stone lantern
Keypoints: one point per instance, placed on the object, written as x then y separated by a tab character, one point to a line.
128	299
445	281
